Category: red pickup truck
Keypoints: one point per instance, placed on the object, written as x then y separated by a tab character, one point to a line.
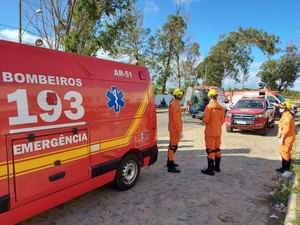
251	113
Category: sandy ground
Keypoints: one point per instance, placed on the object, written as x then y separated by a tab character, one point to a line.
237	195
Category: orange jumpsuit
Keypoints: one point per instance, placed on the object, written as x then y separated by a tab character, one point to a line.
287	128
214	115
175	127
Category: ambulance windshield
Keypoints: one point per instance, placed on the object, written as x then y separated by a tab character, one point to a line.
281	98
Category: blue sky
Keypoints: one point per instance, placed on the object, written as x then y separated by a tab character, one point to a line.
208	20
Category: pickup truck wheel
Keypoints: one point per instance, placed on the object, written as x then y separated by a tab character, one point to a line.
229	129
128	172
264	131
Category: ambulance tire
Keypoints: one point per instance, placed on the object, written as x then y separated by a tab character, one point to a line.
128	172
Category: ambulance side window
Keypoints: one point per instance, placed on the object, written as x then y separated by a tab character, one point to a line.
272	99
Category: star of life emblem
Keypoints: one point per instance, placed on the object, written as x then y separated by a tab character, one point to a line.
115	99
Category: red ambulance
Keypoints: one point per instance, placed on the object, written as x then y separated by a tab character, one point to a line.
199	100
69	124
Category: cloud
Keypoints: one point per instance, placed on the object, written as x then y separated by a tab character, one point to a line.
296	85
251	83
105	55
150	7
13	35
9	35
255	66
185	3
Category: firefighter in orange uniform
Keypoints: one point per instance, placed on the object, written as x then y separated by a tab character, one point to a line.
286	135
213	119
175	129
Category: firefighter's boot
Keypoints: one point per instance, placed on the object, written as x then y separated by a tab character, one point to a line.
281	169
172	168
210	168
168	163
287	165
217	164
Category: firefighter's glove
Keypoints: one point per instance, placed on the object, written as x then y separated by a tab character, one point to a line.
281	139
181	135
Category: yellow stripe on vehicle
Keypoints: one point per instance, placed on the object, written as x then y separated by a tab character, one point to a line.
3	171
39	162
48	166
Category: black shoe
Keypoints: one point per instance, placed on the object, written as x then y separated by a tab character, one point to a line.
210	167
168	162
280	170
283	166
287	165
172	168
217	164
208	172
217	169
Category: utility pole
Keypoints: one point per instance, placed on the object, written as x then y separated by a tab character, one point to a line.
20	21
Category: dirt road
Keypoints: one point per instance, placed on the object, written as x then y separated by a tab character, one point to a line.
237	195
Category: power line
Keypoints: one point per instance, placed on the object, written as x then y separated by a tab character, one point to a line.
4	25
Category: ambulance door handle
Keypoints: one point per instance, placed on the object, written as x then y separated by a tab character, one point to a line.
57	176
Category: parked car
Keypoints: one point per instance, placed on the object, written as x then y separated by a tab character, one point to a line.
251	113
274	97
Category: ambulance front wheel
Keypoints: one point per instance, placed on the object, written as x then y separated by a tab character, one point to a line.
128	172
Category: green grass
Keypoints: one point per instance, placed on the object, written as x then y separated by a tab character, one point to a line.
292	95
282	191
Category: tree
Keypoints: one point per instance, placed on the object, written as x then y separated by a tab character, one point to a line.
134	41
189	63
219	63
81	26
166	47
231	57
281	74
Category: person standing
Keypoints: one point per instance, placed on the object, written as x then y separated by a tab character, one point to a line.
175	129
163	103
214	114
286	135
